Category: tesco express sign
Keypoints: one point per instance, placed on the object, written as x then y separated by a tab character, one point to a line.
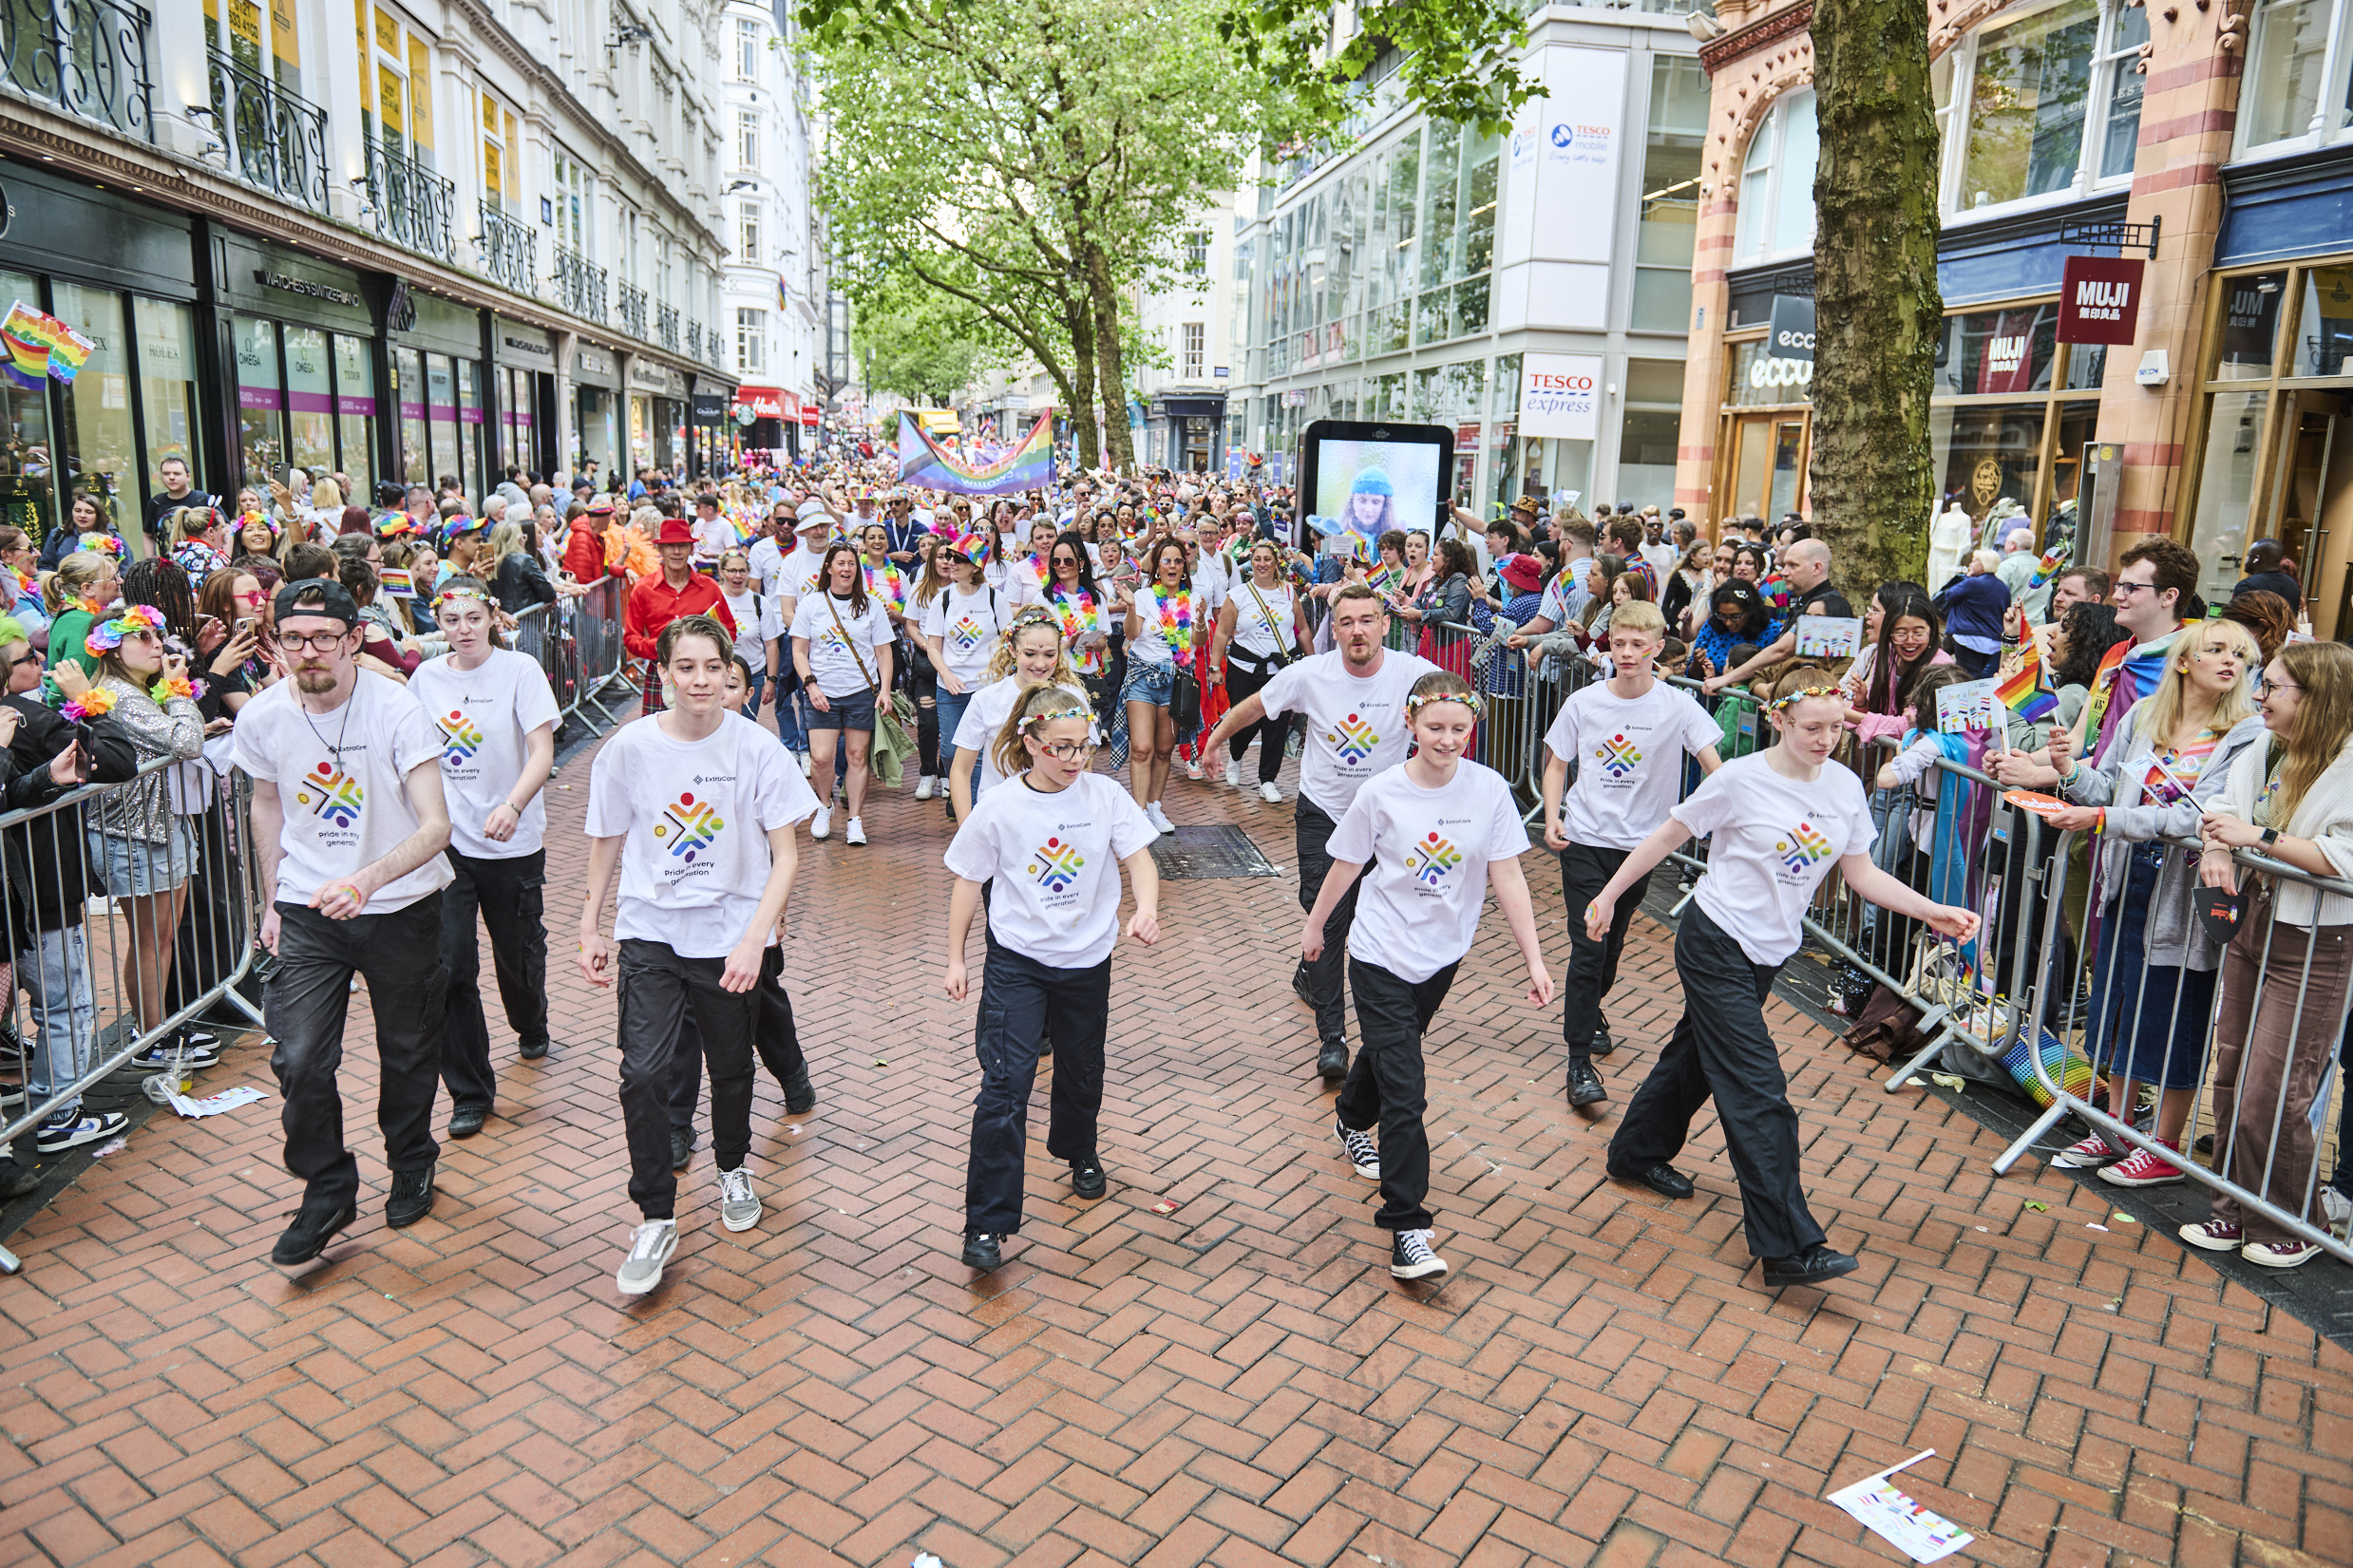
1560	396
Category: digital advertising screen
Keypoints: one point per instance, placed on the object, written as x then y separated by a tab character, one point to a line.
1369	478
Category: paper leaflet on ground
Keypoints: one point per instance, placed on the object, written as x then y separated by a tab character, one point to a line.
1888	1513
213	1104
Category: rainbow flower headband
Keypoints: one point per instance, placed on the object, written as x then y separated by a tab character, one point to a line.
1469	699
101	544
1050	714
108	636
247	519
1796	697
459	595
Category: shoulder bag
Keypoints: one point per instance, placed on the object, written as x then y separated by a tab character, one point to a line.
893	746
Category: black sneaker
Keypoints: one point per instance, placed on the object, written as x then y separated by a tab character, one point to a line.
1584	1085
411	1198
981	1251
1300	987
1331	1059
466	1121
164	1052
1410	1257
682	1143
1087	1178
1817	1265
71	1129
200	1039
312	1230
800	1094
1602	1044
531	1050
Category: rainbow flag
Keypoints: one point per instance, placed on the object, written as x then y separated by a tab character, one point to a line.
27	363
67	349
927	463
2023	692
784	294
2049	566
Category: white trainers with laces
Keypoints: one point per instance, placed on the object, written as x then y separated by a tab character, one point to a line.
1233	775
1268	793
925	785
1159	819
649	1249
856	833
822	824
739	1206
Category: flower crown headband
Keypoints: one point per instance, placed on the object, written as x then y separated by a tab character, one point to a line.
1050	714
108	635
247	519
1794	698
1469	699
459	594
102	544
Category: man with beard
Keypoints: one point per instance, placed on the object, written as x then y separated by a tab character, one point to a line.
350	823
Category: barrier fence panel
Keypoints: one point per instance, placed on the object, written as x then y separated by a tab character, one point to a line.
593	622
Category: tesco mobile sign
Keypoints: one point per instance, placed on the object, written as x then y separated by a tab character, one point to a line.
1561	396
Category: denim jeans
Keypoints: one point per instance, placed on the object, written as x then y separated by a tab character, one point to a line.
56	975
655	986
1314	832
791	710
508	892
306	1002
1386	1086
952	705
1721	1050
1020	1000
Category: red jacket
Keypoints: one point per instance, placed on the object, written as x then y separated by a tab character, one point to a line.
653	604
583	557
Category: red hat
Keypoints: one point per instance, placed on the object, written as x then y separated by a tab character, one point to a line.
674	531
1524	572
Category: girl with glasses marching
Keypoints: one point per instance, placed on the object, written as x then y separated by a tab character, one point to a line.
1049	844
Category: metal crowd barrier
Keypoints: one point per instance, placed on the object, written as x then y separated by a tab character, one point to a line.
577	642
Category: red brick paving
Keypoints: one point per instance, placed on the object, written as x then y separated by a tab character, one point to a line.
1238	1383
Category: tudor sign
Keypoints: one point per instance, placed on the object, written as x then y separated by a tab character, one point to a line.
2099	300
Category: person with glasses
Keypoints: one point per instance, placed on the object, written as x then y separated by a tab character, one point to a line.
230	606
1047	847
349	823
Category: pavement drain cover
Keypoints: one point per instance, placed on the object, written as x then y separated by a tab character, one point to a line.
1200	854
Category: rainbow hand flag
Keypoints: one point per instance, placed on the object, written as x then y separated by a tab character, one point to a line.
2023	692
27	363
931	464
2049	566
30	330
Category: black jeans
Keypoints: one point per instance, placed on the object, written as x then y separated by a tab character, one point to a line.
508	895
1586	869
924	683
1385	1088
306	1002
776	1040
1314	830
1242	681
1721	1050
655	986
1021	999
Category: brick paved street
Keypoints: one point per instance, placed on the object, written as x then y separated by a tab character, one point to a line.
1239	1382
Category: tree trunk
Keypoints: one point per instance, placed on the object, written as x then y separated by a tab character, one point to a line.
1079	387
1878	310
1111	372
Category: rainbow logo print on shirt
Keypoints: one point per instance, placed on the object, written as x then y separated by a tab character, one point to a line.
966	633
832	638
1352	739
1431	860
1804	846
1616	756
1055	865
689	826
460	740
331	794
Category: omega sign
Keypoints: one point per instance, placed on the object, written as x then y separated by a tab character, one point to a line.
2099	300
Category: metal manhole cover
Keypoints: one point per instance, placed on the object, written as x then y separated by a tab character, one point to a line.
1201	854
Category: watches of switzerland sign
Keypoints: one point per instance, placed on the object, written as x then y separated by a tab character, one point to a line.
1560	396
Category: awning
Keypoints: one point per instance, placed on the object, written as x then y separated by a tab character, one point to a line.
769	402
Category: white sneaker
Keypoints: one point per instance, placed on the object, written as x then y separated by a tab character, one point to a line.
856	834
802	757
1270	794
1192	768
739	1206
1233	775
822	824
1159	818
649	1249
924	787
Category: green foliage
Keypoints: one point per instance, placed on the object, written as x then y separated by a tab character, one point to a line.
928	345
1459	58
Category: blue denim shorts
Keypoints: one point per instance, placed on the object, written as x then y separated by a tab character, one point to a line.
133	867
1148	683
843	712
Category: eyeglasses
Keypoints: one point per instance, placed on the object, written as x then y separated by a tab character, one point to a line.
323	642
2264	688
2126	590
1068	751
255	598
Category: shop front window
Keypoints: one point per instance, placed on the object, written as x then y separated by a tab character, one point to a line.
469	427
2286	97
1670	214
2251	326
440	418
1997	352
409	374
2079	424
310	399
1754	377
2322	344
1987	457
261	403
97	442
28	481
167	387
2234	427
2028	105
356	415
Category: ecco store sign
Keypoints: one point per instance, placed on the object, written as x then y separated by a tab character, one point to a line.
1790	333
1769	370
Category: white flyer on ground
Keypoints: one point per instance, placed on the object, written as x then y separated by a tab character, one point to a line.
1829	636
213	1104
1888	1513
1968	705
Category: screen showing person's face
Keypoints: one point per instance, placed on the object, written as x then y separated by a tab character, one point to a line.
1374	485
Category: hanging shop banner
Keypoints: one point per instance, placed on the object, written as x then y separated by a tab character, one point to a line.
1561	396
2099	299
1791	335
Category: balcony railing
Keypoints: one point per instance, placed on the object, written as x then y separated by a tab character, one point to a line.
411	204
666	327
580	288
89	57
632	310
274	138
693	340
710	351
510	250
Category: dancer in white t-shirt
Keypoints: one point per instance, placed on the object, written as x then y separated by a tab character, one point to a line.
1774	823
1429	836
496	717
695	809
1049	843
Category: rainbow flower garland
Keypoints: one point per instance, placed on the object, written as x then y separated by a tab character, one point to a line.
175	686
887	583
100	544
94	703
1176	622
1079	615
107	635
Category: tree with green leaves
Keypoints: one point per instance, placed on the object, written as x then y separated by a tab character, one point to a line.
928	345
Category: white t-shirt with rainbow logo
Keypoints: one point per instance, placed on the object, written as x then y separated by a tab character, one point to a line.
1356	724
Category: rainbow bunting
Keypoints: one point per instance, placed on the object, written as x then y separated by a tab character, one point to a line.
927	463
2021	690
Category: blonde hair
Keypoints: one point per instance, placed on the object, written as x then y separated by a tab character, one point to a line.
1033	709
1004	662
64	587
2165	704
2323	719
326	495
1639	615
506	540
188	521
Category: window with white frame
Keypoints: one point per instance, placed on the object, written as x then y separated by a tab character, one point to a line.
746	50
747	139
1195	340
1777	182
573	188
1197	253
747	233
2299	89
2041	106
751	340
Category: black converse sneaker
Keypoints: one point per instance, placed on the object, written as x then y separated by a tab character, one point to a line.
1410	1257
1362	1151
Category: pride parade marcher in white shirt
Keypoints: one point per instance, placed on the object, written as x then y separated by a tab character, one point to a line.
695	809
496	718
1427	837
1774	823
350	824
1049	844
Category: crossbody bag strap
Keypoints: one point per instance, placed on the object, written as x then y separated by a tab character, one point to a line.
1282	643
873	687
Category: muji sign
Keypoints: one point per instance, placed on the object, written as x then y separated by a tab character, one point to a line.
2099	300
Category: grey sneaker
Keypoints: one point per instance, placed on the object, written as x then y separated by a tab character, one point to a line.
649	1249
739	1206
